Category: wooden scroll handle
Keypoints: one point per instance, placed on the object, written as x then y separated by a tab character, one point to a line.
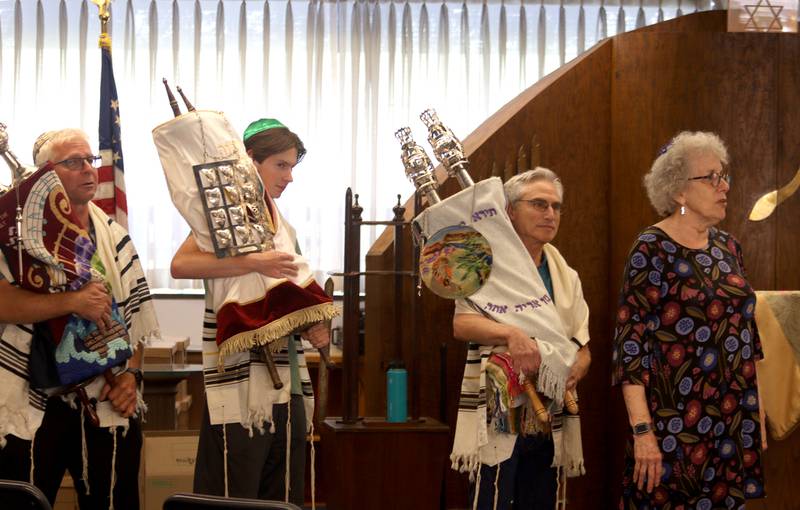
266	357
538	408
325	352
88	407
571	402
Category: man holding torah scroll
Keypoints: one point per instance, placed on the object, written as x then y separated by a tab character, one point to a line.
233	460
45	432
504	429
520	306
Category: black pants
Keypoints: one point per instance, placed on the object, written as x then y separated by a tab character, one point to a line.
257	464
57	448
527	482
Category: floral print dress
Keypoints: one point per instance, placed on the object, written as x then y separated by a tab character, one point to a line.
685	329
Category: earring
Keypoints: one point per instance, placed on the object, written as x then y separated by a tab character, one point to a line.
683	210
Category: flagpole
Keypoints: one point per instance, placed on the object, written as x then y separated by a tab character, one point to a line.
110	195
103	7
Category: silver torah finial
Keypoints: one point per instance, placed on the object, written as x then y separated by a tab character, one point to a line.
447	148
18	174
419	169
18	171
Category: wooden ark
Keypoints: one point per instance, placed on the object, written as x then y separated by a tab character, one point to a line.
599	122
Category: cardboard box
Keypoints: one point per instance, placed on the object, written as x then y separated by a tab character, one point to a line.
67	498
168	465
181	345
159	352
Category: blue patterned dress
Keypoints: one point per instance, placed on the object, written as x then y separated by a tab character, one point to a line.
685	329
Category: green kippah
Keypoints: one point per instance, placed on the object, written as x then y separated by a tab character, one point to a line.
260	125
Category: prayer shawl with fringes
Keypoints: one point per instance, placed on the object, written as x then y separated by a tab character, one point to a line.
21	407
251	310
476	440
243	392
514	293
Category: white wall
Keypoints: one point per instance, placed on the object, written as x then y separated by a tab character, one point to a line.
181	316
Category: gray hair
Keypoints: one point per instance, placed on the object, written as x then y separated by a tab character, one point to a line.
667	176
47	141
513	187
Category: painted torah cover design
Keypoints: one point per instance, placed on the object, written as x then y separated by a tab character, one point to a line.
59	255
456	262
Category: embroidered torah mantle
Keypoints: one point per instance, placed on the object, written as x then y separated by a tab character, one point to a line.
216	188
514	293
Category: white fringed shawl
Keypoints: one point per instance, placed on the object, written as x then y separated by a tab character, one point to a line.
474	441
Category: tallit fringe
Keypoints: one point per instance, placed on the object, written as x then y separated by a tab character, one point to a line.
551	384
141	405
466	463
268	333
572	459
256	418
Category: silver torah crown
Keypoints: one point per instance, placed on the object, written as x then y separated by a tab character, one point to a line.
419	169
447	148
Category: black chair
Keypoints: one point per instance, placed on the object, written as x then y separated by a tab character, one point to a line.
184	501
22	495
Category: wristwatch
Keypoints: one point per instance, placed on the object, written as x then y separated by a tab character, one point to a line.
137	374
641	428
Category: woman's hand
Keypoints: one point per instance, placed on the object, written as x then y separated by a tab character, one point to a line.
648	468
762	415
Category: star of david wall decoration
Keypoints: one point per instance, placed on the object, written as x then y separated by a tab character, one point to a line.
762	16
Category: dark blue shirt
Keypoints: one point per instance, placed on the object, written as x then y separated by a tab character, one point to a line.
544	272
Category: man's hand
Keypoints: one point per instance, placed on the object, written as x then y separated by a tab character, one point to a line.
579	369
93	302
524	353
121	392
275	264
318	335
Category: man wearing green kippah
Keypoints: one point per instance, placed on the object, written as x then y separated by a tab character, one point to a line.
235	460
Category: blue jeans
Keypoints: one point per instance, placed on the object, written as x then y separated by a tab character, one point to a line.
526	482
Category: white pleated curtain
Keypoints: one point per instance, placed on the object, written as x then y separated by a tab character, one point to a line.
344	75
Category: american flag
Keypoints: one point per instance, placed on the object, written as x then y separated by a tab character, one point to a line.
110	194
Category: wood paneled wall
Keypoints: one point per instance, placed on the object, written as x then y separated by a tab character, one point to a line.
598	122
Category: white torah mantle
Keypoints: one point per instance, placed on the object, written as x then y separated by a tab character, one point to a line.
514	293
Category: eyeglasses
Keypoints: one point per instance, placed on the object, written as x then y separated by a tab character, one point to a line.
714	178
542	205
77	163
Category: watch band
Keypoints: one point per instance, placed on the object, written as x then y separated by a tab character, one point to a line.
641	428
137	374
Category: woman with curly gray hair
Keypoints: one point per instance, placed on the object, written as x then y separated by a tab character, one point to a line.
686	343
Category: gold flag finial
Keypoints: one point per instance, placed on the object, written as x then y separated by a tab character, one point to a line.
105	15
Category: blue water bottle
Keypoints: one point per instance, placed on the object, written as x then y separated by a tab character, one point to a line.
396	393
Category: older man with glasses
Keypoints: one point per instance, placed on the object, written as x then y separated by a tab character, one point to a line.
43	437
522	447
